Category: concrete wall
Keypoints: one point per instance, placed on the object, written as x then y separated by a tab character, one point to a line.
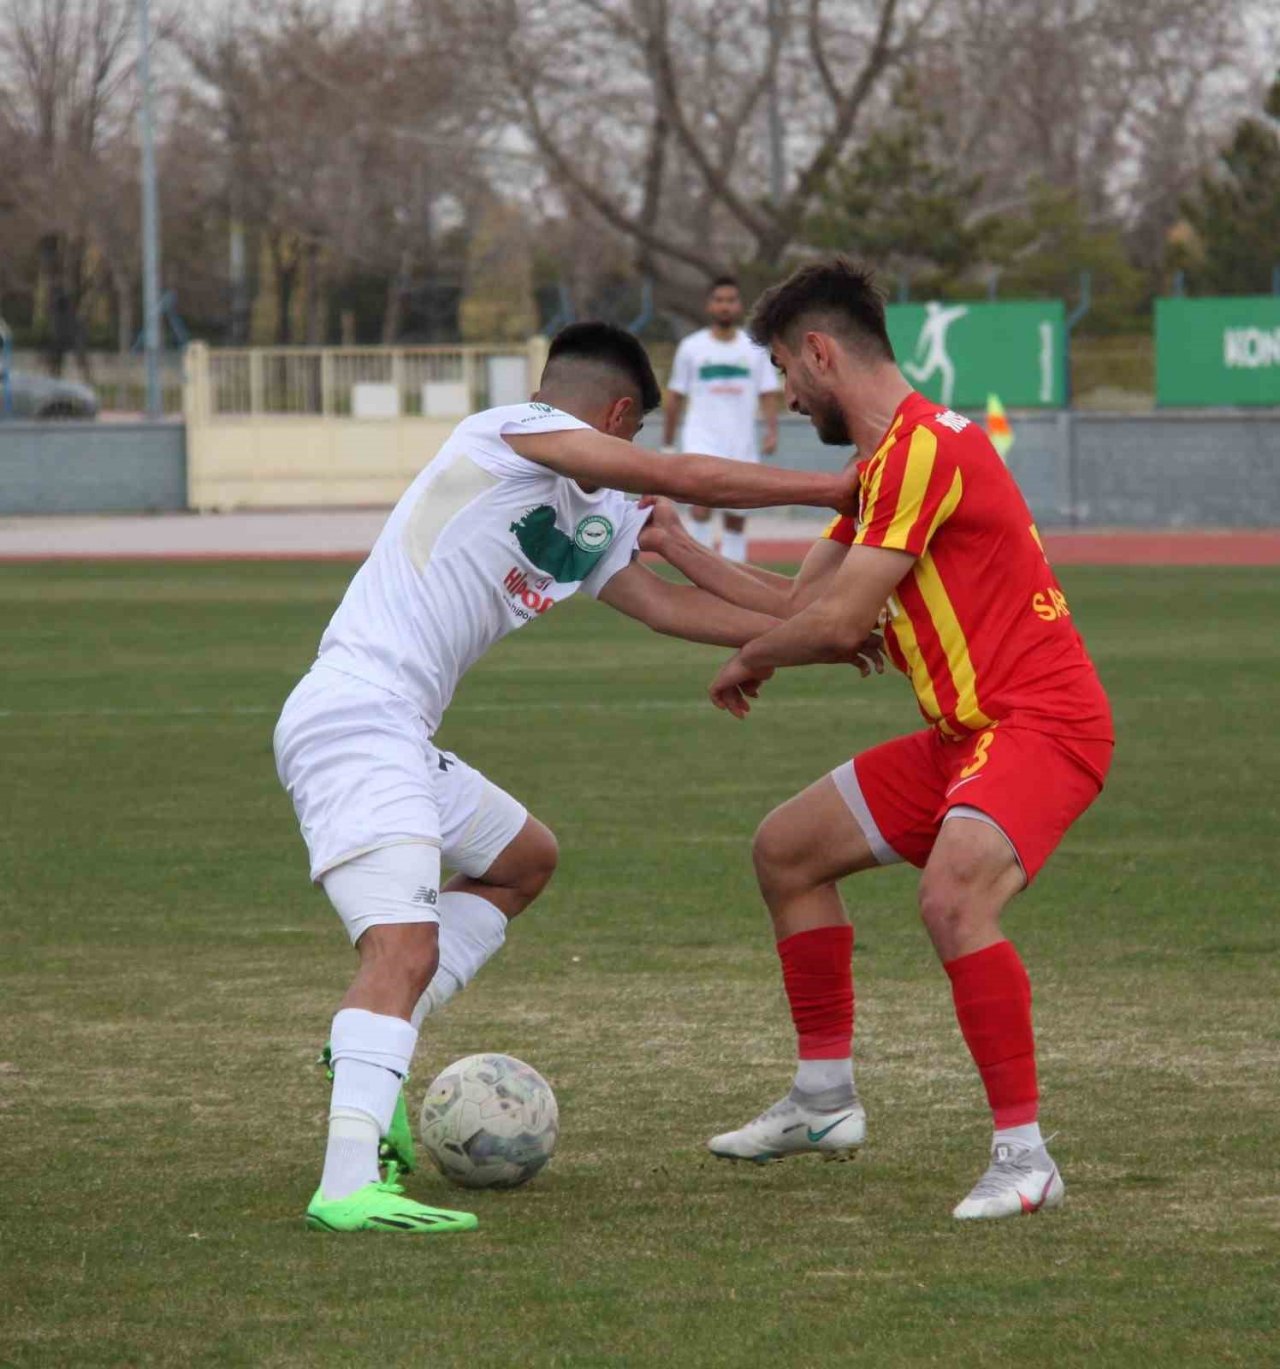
1190	469
277	462
273	428
1149	471
92	467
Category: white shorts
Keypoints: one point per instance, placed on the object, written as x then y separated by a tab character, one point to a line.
394	884
363	773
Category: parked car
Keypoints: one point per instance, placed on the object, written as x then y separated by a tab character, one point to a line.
33	396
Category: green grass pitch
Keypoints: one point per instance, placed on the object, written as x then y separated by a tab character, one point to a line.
167	974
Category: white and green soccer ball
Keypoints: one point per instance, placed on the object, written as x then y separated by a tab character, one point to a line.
489	1121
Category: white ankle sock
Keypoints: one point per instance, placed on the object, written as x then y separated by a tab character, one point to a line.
703	532
818	1076
371	1056
351	1157
733	546
1028	1135
472	930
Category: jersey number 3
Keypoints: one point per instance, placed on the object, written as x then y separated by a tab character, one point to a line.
980	757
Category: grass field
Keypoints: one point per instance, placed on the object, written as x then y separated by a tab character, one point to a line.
167	974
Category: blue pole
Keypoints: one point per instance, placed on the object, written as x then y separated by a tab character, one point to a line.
150	218
6	366
1275	279
646	307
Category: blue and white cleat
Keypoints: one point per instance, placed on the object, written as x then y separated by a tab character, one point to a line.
1020	1179
790	1128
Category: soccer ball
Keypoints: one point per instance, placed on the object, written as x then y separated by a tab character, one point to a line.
489	1121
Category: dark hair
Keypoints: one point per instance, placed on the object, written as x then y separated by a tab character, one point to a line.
840	292
723	283
605	344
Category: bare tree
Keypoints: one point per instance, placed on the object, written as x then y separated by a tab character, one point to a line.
334	148
654	112
67	101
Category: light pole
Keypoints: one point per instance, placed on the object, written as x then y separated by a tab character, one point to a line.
150	218
777	165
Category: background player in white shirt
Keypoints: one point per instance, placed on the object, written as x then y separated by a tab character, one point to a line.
518	511
720	380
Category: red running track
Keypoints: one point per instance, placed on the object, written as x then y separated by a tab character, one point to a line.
1101	548
1260	548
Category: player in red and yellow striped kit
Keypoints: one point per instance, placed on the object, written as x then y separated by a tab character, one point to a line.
944	556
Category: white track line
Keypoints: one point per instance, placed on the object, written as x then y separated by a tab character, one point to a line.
525	706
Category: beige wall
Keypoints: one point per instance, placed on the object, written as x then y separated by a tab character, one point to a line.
289	462
274	460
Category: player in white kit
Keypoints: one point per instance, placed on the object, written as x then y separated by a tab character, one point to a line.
519	510
720	379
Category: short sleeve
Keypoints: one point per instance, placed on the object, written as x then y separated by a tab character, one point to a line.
767	381
682	370
629	520
535	418
842	529
908	493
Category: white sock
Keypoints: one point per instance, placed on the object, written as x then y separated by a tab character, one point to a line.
1028	1135
703	532
351	1157
371	1056
733	546
819	1076
471	931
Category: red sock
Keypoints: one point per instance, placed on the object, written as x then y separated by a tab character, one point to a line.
993	1005
817	971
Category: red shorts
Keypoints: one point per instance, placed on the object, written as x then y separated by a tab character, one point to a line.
1033	786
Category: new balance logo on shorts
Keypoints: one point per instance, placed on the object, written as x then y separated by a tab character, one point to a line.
426	896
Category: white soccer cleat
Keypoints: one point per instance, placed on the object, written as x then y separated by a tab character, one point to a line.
1019	1179
789	1128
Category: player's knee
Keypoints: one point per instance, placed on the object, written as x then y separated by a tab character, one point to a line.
779	864
541	856
526	867
952	898
405	954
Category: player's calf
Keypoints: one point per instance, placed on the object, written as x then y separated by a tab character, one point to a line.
474	911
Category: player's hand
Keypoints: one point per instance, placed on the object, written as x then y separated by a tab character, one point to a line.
735	684
870	656
769	446
664	523
844	494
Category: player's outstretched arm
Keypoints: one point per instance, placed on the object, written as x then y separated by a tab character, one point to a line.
830	630
594	459
681	610
749	586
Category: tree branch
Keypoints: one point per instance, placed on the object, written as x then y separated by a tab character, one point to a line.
659	53
564	169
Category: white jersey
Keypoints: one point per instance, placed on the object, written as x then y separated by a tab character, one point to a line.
722	382
480	544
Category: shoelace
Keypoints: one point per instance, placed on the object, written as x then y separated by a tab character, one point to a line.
1014	1166
999	1175
783	1105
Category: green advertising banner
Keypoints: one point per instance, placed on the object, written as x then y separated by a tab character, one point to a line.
1219	351
959	353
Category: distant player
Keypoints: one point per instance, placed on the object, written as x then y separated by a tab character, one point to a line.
945	554
517	512
720	381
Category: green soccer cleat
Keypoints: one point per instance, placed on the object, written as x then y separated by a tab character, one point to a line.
382	1207
396	1150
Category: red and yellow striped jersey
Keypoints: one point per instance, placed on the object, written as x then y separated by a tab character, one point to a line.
979	624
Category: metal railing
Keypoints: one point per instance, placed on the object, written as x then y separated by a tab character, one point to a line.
332	382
